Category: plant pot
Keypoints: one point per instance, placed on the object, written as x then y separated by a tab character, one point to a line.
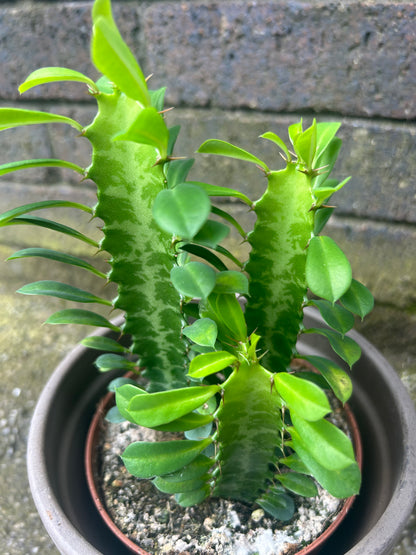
383	409
93	462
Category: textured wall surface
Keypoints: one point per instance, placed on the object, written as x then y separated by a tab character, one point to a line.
233	69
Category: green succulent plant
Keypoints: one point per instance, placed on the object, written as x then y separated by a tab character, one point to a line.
215	344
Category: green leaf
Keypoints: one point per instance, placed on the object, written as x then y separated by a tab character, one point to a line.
185	423
182	211
301	396
217	191
58	257
231	314
294	462
231	282
104	85
49	224
177	171
211	234
210	363
325	442
166	486
113	416
230	219
326	132
358	299
157	98
202	332
163	407
335	315
82	317
294	131
62	291
15	117
25	208
149	128
103	344
113	58
344	346
194	279
188	499
173	136
270	136
124	394
42	163
205	254
279	505
149	459
327	189
222	148
298	483
328	272
327	161
118	382
229	255
322	216
201	432
339	483
305	145
53	75
338	380
111	361
195	469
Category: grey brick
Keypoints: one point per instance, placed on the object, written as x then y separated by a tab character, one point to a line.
351	58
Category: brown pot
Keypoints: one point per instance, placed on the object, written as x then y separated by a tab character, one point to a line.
92	465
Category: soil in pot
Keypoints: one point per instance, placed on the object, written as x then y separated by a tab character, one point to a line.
153	521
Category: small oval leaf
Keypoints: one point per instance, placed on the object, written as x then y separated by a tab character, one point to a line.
231	282
328	272
301	396
58	257
358	299
326	443
210	363
338	380
113	58
344	346
162	407
335	315
149	459
202	332
149	128
15	117
182	211
62	291
111	361
298	483
195	279
222	148
82	317
53	75
103	344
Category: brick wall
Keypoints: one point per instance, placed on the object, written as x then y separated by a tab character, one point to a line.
235	69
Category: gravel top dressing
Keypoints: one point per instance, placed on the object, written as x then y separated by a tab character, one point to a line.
158	525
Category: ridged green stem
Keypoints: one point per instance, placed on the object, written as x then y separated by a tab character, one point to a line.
249	425
276	266
127	182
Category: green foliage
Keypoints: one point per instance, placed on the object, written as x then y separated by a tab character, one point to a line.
214	335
